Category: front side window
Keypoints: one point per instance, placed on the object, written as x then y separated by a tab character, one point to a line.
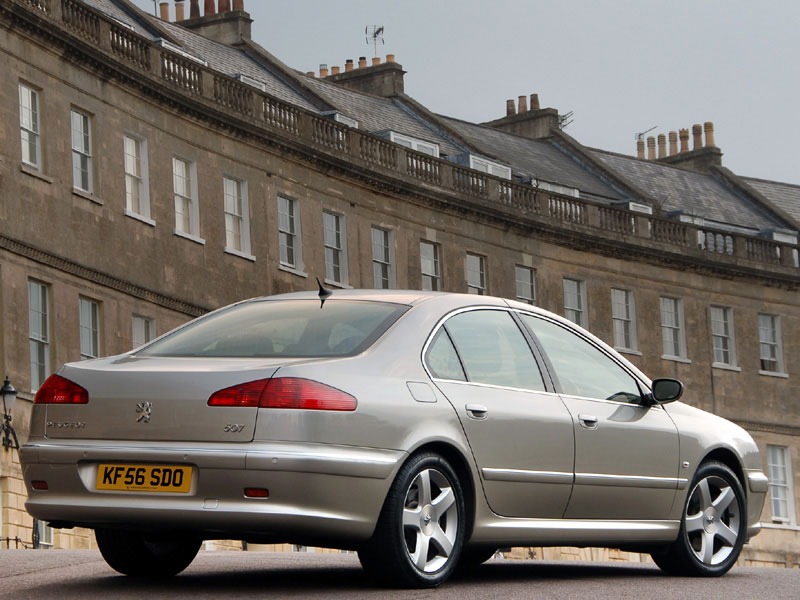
237	215
583	369
722	336
144	330
476	274
335	247
184	188
382	263
289	232
81	151
575	301
431	269
769	341
526	284
780	484
623	317
89	328
493	350
673	333
29	126
137	195
38	333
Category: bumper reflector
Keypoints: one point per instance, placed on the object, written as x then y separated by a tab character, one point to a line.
256	493
39	485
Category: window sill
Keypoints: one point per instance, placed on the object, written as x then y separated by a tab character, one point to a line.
627	351
292	270
676	359
774	374
240	254
337	284
139	217
779	525
86	196
190	237
725	367
34	172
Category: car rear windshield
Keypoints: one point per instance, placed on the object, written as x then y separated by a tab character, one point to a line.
282	328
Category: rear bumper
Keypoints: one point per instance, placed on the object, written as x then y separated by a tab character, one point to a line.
317	492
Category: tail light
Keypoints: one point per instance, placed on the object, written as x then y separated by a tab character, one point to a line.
59	390
285	392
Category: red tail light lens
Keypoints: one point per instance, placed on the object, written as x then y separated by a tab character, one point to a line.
285	392
59	390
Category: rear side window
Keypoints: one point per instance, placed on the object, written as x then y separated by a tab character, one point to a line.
442	358
582	369
493	350
282	328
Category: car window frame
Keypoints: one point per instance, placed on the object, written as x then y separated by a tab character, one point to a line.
536	353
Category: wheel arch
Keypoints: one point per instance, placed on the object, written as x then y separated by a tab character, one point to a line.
727	457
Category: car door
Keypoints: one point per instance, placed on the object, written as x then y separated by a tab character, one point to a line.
520	432
626	451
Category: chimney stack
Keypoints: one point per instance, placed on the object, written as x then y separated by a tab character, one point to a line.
535	102
348	65
640	148
335	70
697	136
209	8
362	62
194	9
662	145
224	6
523	104
323	70
684	136
164	8
651	148
673	142
709	128
511	108
311	73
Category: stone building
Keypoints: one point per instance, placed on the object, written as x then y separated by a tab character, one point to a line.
154	169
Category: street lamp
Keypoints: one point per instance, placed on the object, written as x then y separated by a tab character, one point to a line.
9	396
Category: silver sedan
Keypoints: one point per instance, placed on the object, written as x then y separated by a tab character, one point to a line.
421	429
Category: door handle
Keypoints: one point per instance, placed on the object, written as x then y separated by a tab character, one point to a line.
476	411
588	421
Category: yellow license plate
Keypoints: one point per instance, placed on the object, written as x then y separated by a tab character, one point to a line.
144	478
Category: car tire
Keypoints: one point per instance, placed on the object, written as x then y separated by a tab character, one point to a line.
134	554
713	525
420	531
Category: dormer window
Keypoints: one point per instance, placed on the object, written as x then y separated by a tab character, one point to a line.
484	165
340	118
259	85
180	51
406	141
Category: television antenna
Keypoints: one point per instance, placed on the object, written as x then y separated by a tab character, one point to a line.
565	120
640	136
374	37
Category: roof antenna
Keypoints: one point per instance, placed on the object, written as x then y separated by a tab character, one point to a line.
323	293
374	37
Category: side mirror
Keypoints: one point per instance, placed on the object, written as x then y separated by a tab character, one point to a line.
666	390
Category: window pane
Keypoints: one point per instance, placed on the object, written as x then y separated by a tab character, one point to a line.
525	282
442	358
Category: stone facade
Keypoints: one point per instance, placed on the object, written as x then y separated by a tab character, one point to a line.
90	245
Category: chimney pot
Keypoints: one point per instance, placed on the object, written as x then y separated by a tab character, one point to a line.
523	104
209	8
684	136
194	9
535	102
335	70
311	73
709	129
697	136
511	108
640	148
164	8
180	14
662	145
673	142
376	60
224	6
362	62
390	58
323	70
651	148
238	4
348	65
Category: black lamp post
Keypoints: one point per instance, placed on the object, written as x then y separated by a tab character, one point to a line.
9	396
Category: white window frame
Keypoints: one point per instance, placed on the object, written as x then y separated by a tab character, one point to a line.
81	139
383	263
475	269
341	118
39	341
484	165
576	312
289	234
89	309
137	176
335	249
776	344
412	143
143	330
623	319
670	330
723	341
434	273
45	533
780	478
192	204
30	126
238	200
525	288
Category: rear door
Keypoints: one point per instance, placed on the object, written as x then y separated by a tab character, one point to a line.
520	432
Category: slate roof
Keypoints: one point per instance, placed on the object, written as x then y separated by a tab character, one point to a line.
534	157
785	196
694	193
110	8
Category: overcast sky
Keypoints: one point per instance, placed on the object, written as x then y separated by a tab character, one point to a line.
622	66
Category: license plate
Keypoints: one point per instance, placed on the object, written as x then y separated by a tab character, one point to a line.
144	478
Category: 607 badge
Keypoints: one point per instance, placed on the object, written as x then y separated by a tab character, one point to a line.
144	478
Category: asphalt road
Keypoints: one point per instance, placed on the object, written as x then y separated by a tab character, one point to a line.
67	574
